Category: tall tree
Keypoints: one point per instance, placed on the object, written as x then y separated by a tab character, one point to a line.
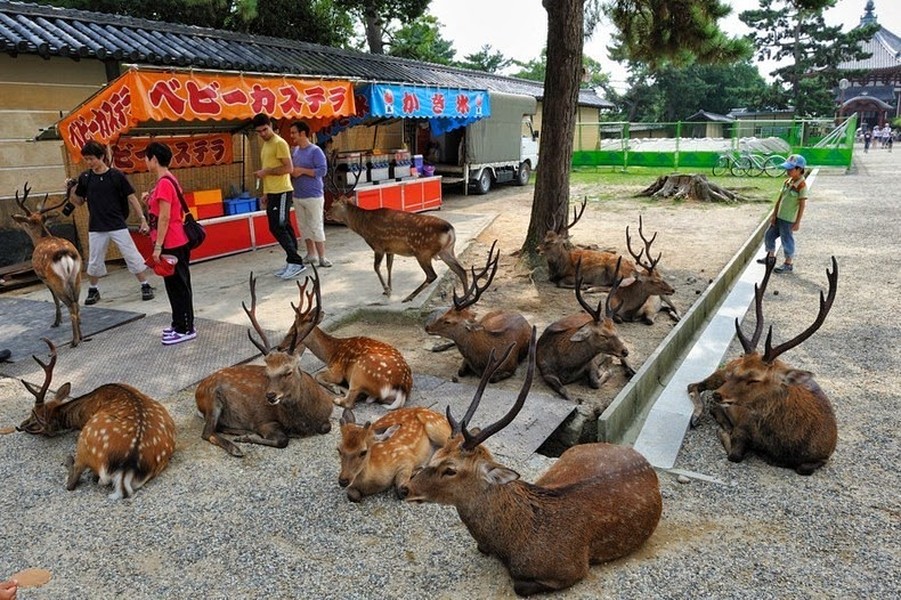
533	70
422	40
794	30
593	74
377	17
486	59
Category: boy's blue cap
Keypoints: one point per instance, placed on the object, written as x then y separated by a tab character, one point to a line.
795	160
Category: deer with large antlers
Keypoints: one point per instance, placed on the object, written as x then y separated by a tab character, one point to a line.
476	338
126	438
599	267
389	232
644	294
580	346
763	405
598	502
268	404
384	454
55	260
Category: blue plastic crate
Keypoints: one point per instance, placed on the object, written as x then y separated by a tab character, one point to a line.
237	206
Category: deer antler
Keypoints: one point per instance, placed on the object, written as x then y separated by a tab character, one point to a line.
308	316
577	214
252	315
616	281
21	202
647	247
39	394
343	190
594	312
474	292
749	346
770	354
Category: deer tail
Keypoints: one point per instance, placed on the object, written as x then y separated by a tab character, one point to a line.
67	266
400	396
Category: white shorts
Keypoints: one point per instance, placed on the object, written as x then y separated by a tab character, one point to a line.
310	219
98	242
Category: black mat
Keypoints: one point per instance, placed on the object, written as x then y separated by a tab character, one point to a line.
24	322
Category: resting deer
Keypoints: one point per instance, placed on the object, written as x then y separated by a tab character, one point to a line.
571	349
376	456
389	232
55	260
264	404
597	503
126	438
763	405
641	296
598	266
476	338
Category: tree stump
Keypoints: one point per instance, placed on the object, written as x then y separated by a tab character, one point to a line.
685	186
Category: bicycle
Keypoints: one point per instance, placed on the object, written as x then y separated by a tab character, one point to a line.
727	162
757	164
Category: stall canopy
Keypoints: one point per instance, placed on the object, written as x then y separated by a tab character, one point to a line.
142	102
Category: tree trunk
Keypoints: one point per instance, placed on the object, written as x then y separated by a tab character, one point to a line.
561	94
682	186
373	24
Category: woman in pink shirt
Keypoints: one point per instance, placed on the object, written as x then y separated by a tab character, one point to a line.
167	232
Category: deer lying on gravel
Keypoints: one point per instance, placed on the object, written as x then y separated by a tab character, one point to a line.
763	405
389	232
572	348
264	404
369	368
476	338
55	260
641	296
597	503
376	456
126	438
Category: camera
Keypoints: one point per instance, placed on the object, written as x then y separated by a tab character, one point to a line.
68	207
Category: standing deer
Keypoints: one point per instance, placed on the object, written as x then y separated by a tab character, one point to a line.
476	338
597	503
763	405
55	260
126	438
571	348
389	232
264	404
369	368
376	456
641	296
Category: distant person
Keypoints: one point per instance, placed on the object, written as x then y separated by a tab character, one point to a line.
167	231
109	196
787	214
310	166
275	158
867	138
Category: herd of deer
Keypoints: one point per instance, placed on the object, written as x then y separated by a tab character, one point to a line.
597	503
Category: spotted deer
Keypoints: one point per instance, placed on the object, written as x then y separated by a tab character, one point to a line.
476	338
126	438
265	404
597	503
55	261
389	232
369	368
384	454
580	345
763	405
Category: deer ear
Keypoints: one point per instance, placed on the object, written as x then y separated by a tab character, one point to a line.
627	282
63	392
582	334
347	417
499	475
798	377
20	218
384	435
473	326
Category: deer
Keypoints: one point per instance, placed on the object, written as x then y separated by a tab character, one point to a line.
475	338
265	404
368	367
644	294
761	404
571	348
597	503
598	266
126	439
55	260
389	232
377	456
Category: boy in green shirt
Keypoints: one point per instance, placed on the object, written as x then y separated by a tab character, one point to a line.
787	214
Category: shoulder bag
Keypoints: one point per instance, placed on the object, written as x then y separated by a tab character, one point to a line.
194	230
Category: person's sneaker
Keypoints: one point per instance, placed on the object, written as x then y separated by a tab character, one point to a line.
293	271
309	259
281	271
146	292
177	338
324	262
784	268
93	297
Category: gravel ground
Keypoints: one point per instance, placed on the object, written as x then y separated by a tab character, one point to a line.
276	524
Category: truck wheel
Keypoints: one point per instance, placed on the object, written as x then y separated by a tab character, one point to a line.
483	184
524	173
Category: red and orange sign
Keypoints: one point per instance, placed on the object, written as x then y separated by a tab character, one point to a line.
196	151
139	96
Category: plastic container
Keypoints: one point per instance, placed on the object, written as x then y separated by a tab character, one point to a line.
165	266
428	170
238	206
417	162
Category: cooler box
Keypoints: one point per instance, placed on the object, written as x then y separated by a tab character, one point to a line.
237	206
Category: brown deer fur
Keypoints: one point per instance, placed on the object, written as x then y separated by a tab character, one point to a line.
376	456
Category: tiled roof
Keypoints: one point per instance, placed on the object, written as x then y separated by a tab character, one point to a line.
49	31
885	48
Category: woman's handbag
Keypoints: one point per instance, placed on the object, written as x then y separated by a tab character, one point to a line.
194	230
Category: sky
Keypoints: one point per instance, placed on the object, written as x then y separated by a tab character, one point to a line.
518	28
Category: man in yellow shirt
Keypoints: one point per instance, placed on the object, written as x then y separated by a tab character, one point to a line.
277	190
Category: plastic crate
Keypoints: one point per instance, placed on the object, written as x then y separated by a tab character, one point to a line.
238	206
207	197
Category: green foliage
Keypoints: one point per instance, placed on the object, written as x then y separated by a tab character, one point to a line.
422	40
533	70
485	60
380	18
536	69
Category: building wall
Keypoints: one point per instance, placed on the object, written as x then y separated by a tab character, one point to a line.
587	135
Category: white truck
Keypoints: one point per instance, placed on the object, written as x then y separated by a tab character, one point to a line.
497	149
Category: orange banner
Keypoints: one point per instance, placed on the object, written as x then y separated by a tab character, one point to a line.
138	97
196	151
